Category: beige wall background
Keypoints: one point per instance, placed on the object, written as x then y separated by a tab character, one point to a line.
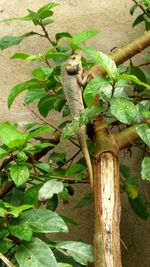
114	21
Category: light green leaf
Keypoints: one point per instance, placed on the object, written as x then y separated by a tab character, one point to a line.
92	89
81	252
2	212
84	36
19	88
22	56
8	41
43	166
133	79
61	264
39	131
43	73
145	172
26	18
35	253
124	110
16	210
42	221
107	64
22	232
10	136
49	189
143	131
19	174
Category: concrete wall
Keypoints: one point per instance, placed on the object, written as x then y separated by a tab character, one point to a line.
113	19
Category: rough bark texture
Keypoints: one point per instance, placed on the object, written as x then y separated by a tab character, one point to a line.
108	209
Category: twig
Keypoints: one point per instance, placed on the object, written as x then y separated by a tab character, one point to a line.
47	35
144	64
6	261
141	7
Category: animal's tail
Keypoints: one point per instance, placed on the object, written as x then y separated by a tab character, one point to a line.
82	141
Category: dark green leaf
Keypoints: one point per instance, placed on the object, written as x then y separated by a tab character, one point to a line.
68	220
80	252
58	104
31	195
42	73
42	221
139	206
22	232
8	41
86	200
138	20
34	94
46	104
35	253
59	158
49	189
3	233
19	174
133	8
52	203
61	35
139	74
5	245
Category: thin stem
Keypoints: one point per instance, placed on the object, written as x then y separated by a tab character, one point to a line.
6	261
47	35
140	6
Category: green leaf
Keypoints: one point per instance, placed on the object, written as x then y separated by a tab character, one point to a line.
58	104
2	212
57	56
3	232
123	110
74	169
68	220
16	210
26	18
31	195
3	151
83	36
19	88
8	41
138	20
139	206
83	117
19	174
58	158
22	232
132	9
143	131
49	189
145	172
35	253
52	204
92	89
10	136
107	64
139	73
39	131
42	221
34	94
61	35
133	79
5	245
131	190
42	73
45	11
46	104
61	264
85	200
22	56
46	22
43	166
80	252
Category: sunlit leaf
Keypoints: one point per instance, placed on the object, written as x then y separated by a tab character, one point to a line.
49	189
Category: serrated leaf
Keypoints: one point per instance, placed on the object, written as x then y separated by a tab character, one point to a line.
19	88
42	221
35	253
143	131
19	174
81	252
8	41
123	110
49	189
22	232
145	172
